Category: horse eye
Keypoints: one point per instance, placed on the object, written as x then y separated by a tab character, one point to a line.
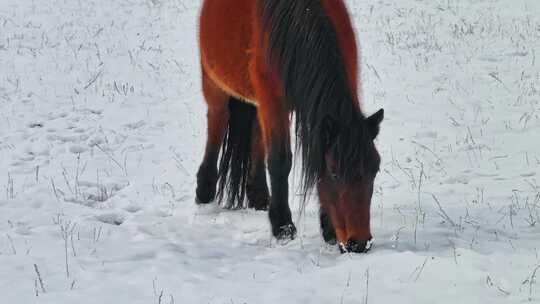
334	176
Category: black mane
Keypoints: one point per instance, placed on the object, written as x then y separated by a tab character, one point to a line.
304	46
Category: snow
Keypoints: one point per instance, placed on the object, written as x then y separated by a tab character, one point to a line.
103	126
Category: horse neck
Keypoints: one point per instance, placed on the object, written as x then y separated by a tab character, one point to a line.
305	49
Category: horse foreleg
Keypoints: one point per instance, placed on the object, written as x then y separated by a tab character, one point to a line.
279	166
275	123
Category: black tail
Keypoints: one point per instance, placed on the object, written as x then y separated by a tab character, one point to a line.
235	154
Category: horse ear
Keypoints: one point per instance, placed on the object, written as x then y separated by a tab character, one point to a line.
373	123
329	131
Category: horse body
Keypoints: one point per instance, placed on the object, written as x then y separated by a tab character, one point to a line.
280	56
229	44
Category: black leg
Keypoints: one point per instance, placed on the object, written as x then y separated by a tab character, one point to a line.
256	188
279	166
206	181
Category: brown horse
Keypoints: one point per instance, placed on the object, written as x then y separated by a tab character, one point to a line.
263	60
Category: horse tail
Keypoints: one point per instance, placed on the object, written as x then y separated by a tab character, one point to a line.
234	161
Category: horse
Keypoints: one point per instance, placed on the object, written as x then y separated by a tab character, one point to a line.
263	61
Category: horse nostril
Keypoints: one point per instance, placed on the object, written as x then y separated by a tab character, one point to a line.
356	246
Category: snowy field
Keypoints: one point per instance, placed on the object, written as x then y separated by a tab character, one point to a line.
102	127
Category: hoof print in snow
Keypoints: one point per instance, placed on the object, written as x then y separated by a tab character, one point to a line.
111	219
132	208
93	194
34	125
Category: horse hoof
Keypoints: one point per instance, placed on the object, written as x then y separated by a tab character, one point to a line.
356	246
260	207
329	236
198	201
286	233
330	241
259	203
258	198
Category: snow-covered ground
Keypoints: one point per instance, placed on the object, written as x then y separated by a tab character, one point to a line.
102	127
